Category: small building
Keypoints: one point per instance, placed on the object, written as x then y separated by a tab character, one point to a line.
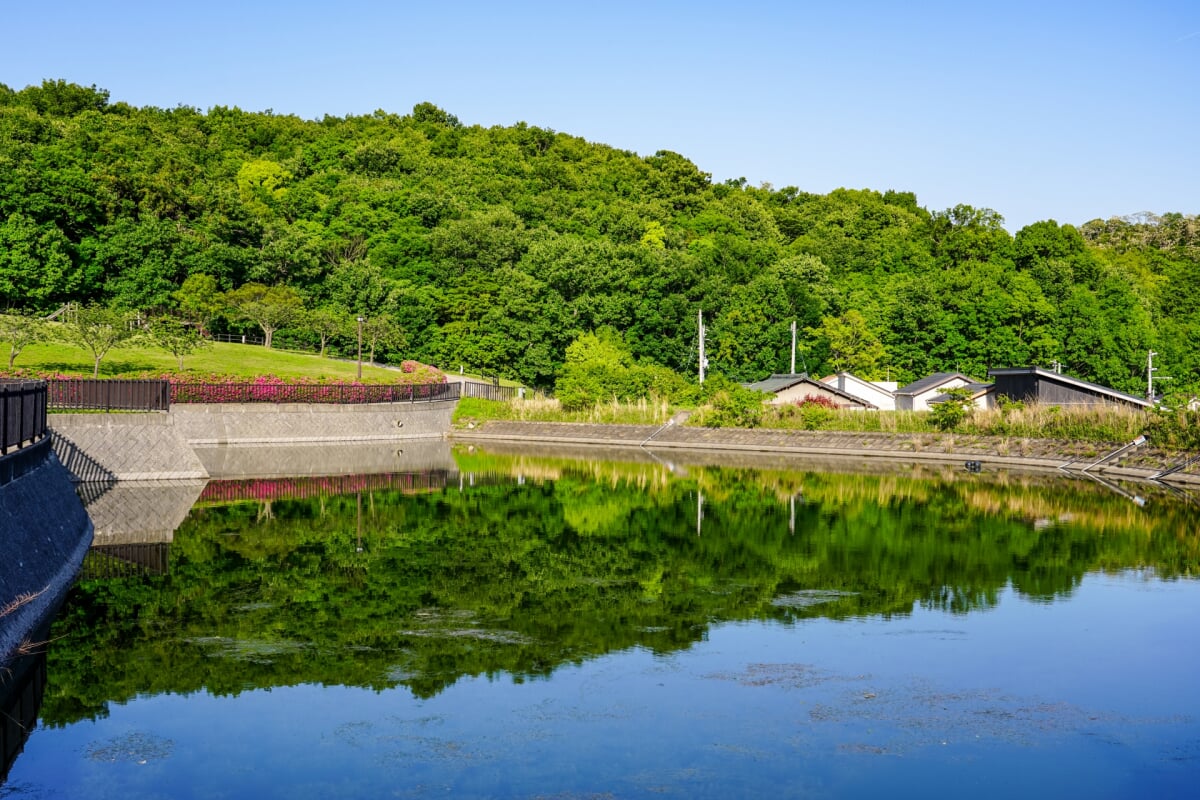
882	394
1037	385
789	389
982	396
916	395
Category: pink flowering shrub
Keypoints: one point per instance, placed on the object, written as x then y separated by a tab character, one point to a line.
270	389
818	400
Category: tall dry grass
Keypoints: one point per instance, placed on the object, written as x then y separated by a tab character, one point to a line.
537	407
1038	421
1032	421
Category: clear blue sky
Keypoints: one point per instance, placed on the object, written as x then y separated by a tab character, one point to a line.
1039	110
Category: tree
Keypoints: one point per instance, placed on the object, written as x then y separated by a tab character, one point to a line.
327	322
199	300
20	331
853	347
176	337
268	307
35	265
99	329
600	367
382	331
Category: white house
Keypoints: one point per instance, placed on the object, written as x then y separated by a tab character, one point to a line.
916	395
882	394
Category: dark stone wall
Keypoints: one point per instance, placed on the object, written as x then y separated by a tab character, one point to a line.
44	534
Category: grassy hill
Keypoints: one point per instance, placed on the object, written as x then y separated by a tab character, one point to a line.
222	359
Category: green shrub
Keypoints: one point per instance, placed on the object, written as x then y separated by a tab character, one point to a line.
950	413
600	368
1174	429
731	405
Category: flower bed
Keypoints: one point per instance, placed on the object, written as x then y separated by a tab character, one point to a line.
268	389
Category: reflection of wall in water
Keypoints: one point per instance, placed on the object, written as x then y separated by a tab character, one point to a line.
297	460
126	560
22	685
139	512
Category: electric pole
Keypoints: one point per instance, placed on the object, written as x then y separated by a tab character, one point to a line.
793	372
703	358
1150	370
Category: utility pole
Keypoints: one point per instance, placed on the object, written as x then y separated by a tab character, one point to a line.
1150	370
703	358
793	372
360	322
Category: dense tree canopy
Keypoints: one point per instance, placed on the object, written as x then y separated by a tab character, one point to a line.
498	247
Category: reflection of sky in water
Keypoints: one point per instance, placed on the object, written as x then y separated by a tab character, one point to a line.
1093	695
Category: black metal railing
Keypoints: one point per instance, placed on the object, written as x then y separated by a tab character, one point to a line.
312	393
22	413
109	394
488	391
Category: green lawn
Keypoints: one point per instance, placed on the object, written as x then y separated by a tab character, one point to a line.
224	359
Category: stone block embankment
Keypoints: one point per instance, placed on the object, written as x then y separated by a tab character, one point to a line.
1016	453
44	535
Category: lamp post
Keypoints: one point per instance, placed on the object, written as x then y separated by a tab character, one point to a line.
360	322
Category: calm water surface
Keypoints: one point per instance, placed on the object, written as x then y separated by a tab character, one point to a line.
547	628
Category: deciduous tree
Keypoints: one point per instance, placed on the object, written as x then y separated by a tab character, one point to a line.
268	307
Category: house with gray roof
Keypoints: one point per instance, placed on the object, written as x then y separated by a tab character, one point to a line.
787	389
917	395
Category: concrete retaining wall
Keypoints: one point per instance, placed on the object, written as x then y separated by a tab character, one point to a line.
44	535
293	423
105	448
126	447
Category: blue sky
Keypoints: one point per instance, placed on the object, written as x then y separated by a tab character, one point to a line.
1039	110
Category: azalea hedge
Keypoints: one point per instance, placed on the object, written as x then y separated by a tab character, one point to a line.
274	390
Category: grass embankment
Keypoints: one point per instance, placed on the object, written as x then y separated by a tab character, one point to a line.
1098	424
1028	422
472	410
234	360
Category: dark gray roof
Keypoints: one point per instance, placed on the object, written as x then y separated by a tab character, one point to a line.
976	389
1045	374
932	382
777	383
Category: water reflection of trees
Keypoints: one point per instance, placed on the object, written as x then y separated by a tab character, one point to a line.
386	587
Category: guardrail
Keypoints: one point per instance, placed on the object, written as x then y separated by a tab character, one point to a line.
109	394
489	391
22	413
312	393
237	338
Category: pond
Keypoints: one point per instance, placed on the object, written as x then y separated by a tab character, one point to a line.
556	627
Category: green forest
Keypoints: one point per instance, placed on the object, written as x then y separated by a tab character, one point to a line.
496	248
